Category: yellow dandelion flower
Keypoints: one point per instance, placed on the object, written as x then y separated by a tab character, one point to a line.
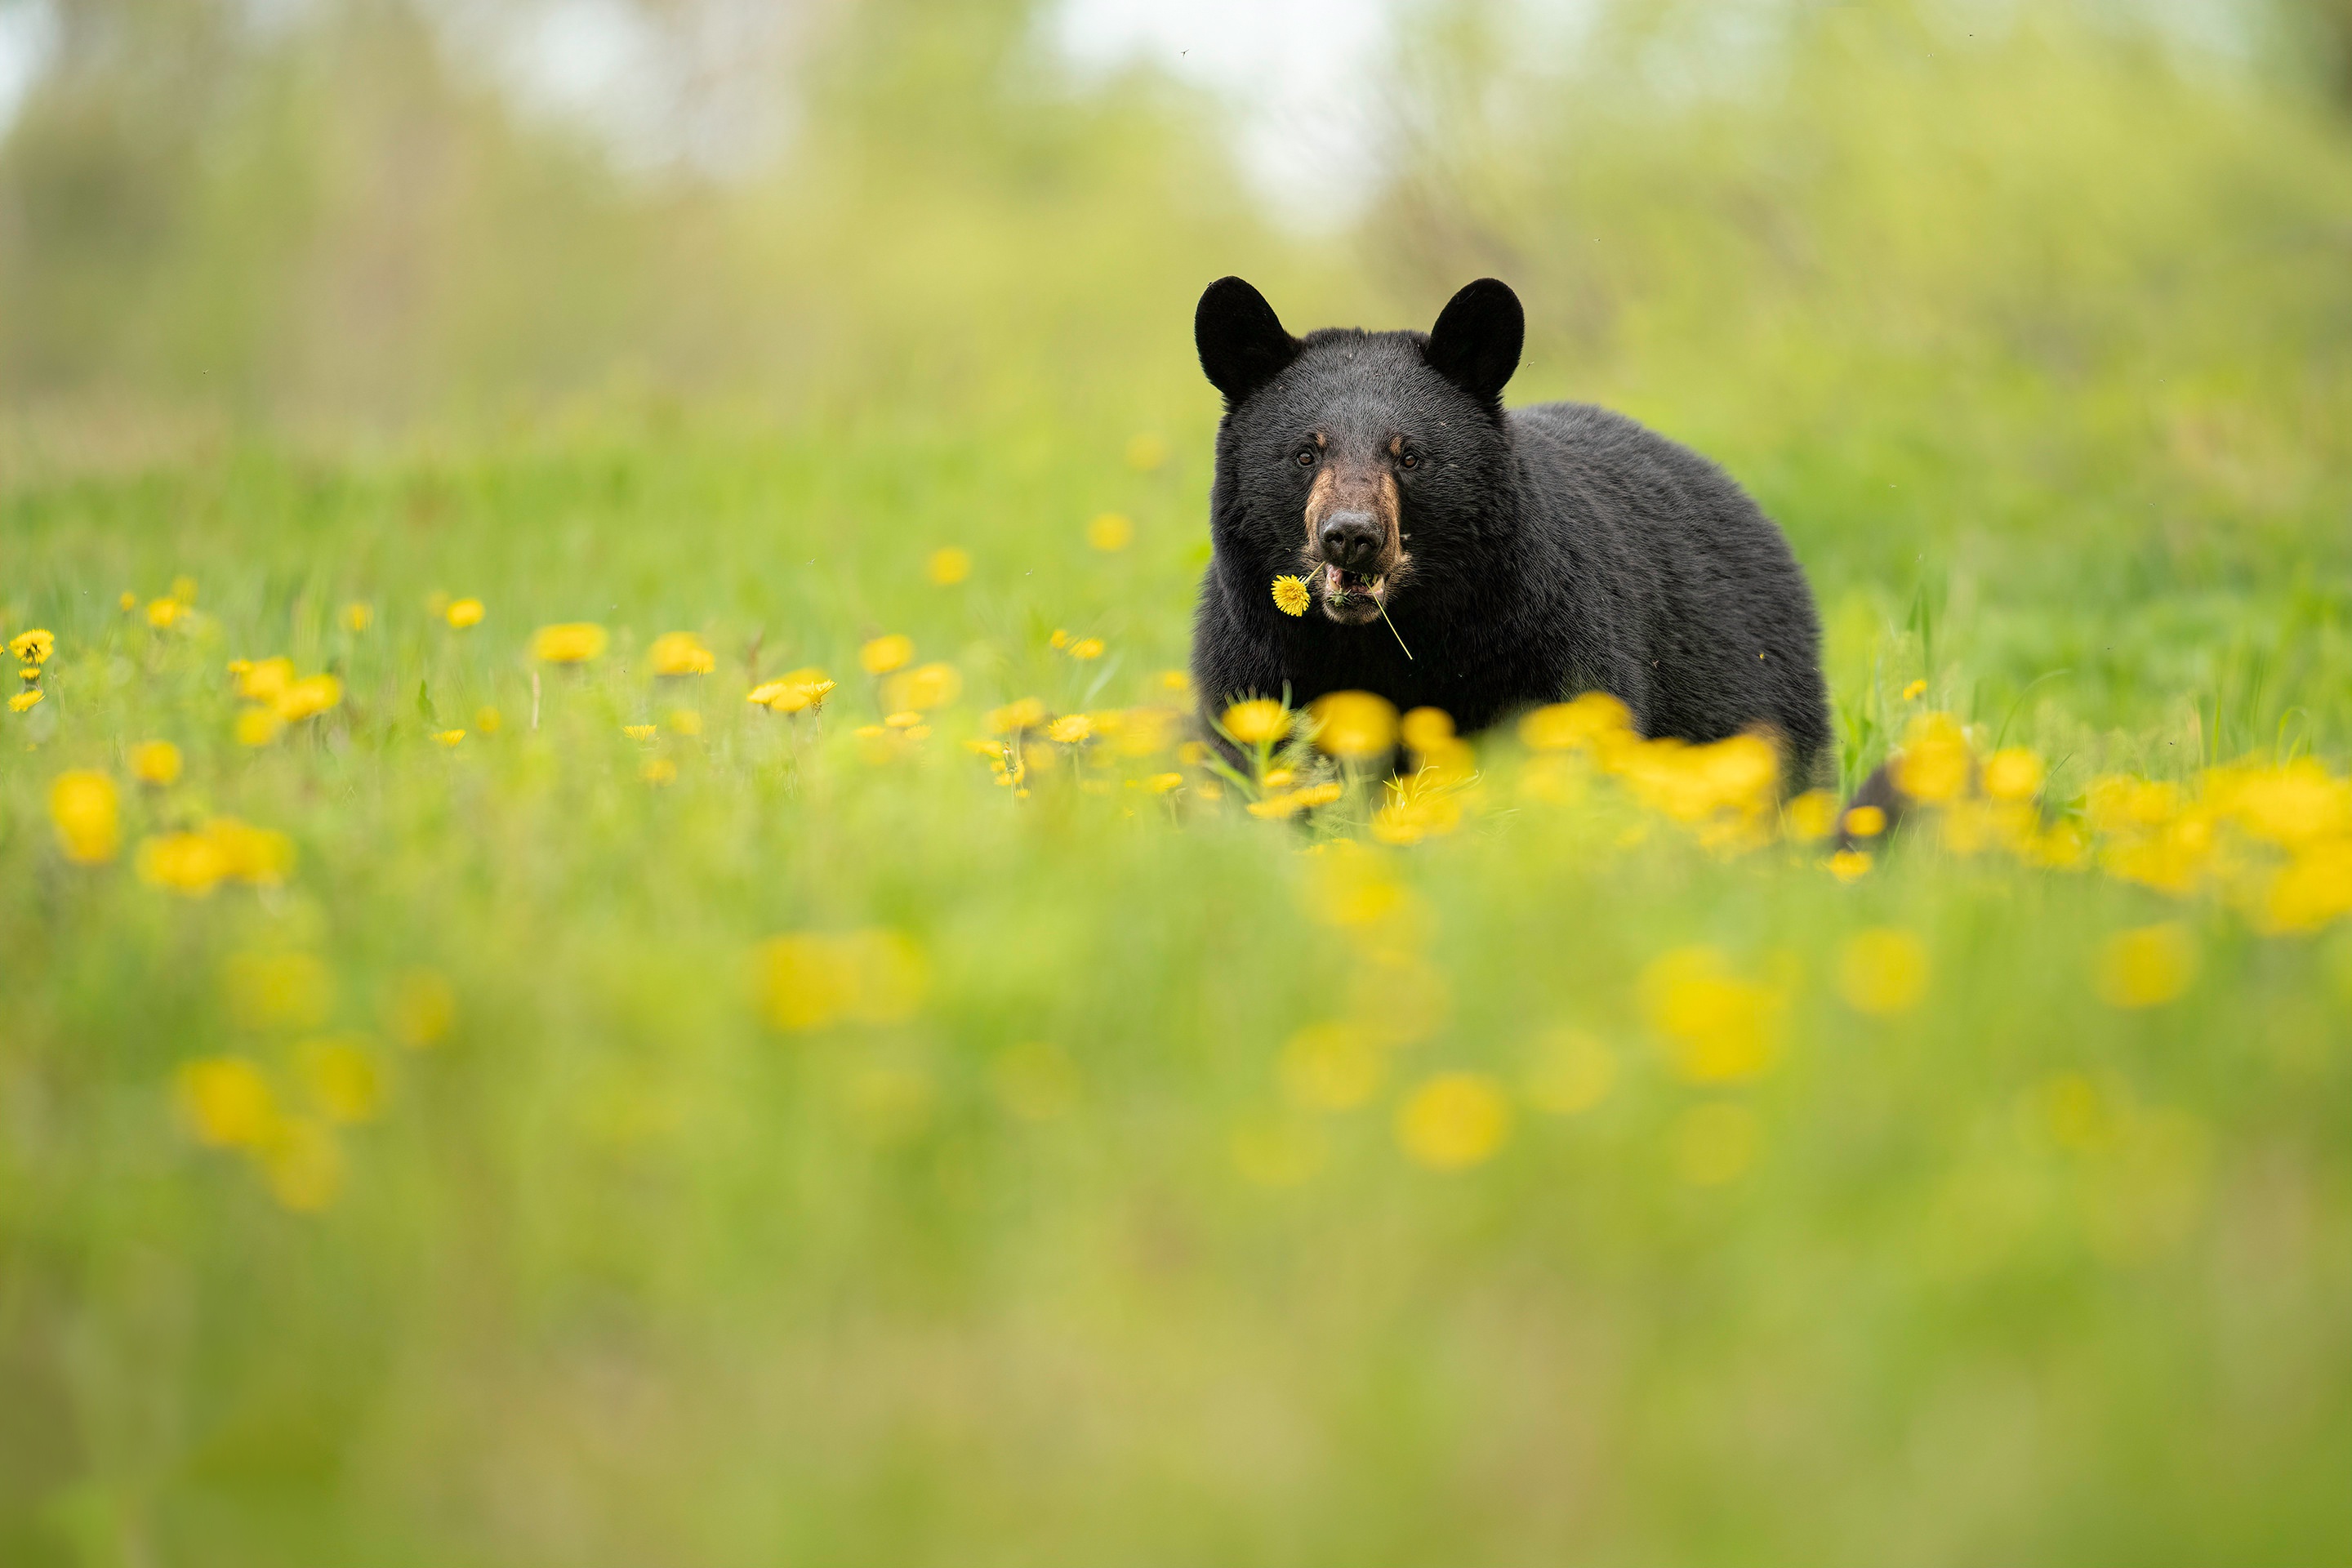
1176	683
1290	596
1277	778
1146	452
1027	713
1718	1027
1716	1143
885	654
907	721
681	653
422	1008
658	770
1086	649
1356	725
1317	795
155	763
1329	1067
257	726
567	642
448	737
188	863
1453	1120
227	1102
640	731
2147	967
1061	637
1594	719
1883	970
26	701
808	981
1070	729
358	617
1933	766
1427	730
464	612
29	673
128	601
1570	1072
1274	806
1916	690
263	680
343	1078
1850	865
2013	773
34	646
252	854
1258	721
1160	784
308	697
162	613
487	720
1865	822
948	566
1110	531
925	688
86	812
1812	816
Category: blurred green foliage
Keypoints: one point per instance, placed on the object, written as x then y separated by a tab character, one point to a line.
2031	324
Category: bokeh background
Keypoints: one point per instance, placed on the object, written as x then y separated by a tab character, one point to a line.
2030	321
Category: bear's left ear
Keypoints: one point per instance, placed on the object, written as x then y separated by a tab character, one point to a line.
1476	341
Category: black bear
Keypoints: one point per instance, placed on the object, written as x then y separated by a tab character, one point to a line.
1459	556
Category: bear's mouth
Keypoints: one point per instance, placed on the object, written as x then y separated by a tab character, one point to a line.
1351	598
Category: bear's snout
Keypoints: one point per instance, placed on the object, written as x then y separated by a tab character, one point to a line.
1351	540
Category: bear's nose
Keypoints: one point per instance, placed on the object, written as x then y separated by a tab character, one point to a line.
1351	540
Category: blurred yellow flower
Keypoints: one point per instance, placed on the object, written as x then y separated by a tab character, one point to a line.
1916	690
155	763
128	600
1865	822
263	680
684	721
1883	970
1258	721
1418	807
1317	795
86	812
567	642
190	863
1718	1027
658	770
640	731
925	688
1160	784
1355	725
1290	596
227	1102
1086	648
1110	531
1277	778
486	721
2147	967
448	737
1427	728
29	674
793	693
464	612
1036	1081
1176	683
1933	766
26	701
257	726
1569	1072
1850	865
1716	1143
1812	816
1329	1067
345	1082
1027	713
908	719
1070	730
307	698
1274	806
948	566
1453	1120
1592	719
2013	773
809	980
162	613
358	617
421	1009
1146	452
681	653
257	855
34	646
2311	889
885	654
277	989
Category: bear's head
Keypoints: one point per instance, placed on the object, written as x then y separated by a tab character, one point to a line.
1375	465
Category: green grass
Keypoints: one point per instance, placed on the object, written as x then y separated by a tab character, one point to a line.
622	1274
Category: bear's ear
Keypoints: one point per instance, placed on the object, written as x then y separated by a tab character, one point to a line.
1476	343
1242	343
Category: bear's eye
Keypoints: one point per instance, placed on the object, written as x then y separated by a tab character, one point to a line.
1411	459
1305	457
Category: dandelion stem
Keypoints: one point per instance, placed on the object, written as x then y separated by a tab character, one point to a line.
534	702
1392	631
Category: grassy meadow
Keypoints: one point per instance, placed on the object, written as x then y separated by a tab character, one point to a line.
500	1063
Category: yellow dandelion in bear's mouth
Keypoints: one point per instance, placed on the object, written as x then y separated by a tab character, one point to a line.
1290	596
34	646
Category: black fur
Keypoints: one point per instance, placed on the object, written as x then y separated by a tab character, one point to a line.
1552	550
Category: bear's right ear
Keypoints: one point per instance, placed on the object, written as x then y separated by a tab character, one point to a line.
1242	343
